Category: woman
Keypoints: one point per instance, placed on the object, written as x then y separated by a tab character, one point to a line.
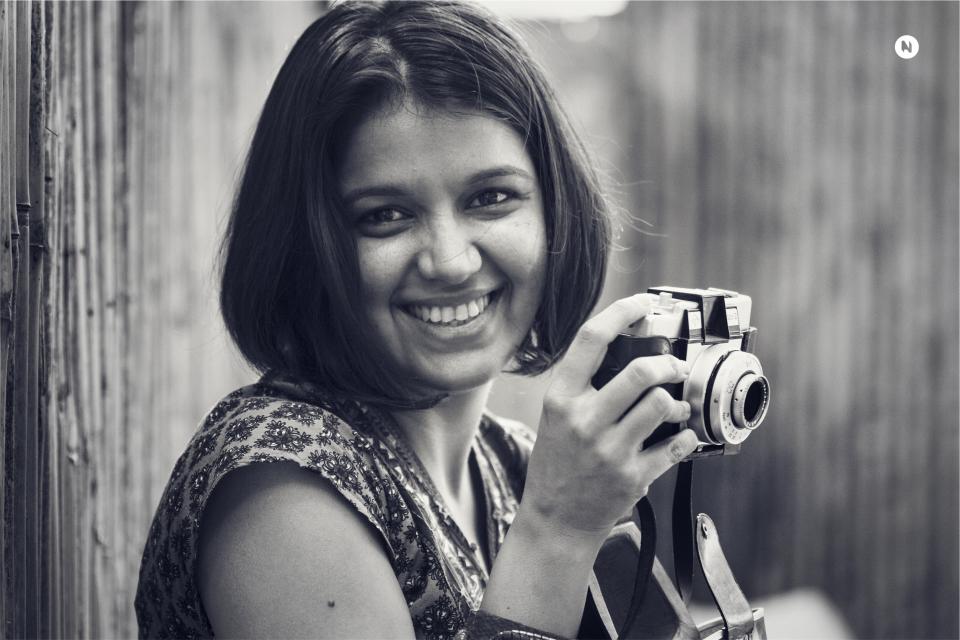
415	216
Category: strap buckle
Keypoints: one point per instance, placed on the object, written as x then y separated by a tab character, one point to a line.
739	620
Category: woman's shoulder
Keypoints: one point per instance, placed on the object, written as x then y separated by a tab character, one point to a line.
267	422
259	423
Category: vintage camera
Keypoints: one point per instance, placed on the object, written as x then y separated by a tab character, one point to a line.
710	329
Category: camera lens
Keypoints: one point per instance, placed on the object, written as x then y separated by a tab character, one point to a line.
750	401
728	394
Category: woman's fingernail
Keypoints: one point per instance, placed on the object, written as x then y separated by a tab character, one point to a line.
683	369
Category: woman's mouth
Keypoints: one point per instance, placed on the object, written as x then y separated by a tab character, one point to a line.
451	316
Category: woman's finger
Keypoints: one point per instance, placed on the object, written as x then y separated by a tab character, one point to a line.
654	408
656	460
590	345
639	376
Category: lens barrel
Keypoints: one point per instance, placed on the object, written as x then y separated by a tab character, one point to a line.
750	401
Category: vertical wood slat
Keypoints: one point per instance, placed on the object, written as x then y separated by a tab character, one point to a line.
7	207
34	248
89	174
905	273
137	444
75	459
13	423
21	384
115	569
942	550
51	625
50	384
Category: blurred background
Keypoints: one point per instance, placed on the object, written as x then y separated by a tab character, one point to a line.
779	149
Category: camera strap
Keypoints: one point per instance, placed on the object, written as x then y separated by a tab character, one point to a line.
684	545
646	521
691	537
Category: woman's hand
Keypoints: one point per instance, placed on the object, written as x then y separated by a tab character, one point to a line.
587	468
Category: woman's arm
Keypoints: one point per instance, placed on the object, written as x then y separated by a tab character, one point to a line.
283	555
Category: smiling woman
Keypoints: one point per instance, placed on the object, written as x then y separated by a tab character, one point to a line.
415	217
451	241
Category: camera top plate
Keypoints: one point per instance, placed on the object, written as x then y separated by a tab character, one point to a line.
704	316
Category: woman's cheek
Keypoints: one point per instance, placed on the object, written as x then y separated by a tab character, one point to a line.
522	240
381	262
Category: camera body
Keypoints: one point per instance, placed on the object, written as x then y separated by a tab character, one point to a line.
709	329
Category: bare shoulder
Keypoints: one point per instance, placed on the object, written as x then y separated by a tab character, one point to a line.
283	555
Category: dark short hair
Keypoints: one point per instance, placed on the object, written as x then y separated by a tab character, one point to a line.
289	269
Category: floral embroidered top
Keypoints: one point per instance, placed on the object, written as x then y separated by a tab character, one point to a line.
357	449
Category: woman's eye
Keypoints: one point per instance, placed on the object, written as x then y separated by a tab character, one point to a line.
382	216
489	198
382	222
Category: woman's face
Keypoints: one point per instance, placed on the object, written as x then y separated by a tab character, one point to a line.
449	219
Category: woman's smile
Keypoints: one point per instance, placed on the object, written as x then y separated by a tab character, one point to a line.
473	320
451	240
447	315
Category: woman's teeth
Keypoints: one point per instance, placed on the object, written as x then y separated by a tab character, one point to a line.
451	316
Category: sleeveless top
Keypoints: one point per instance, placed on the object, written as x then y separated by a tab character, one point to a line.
357	449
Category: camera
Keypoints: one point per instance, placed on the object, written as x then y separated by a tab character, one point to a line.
710	329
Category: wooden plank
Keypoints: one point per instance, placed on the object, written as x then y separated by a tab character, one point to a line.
50	585
24	427
7	205
56	623
33	262
942	553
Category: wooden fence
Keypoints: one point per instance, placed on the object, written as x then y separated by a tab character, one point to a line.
778	148
784	150
118	150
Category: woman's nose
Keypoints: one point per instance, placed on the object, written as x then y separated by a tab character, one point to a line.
450	254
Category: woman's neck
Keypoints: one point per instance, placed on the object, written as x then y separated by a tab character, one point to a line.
442	435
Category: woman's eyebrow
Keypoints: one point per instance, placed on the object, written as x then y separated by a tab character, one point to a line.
499	172
376	190
392	190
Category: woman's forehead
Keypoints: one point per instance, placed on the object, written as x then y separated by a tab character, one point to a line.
410	143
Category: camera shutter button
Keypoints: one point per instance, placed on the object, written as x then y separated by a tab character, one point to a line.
665	301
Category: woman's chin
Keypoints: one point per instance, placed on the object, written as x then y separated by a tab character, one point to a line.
440	382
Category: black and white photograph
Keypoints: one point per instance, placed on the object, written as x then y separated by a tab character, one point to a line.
480	319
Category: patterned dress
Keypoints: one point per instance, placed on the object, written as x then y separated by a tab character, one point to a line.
359	451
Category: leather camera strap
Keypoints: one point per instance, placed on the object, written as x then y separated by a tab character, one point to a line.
689	539
683	544
736	611
683	541
647	523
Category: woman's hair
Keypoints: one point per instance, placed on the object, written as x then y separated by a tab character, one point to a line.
289	291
